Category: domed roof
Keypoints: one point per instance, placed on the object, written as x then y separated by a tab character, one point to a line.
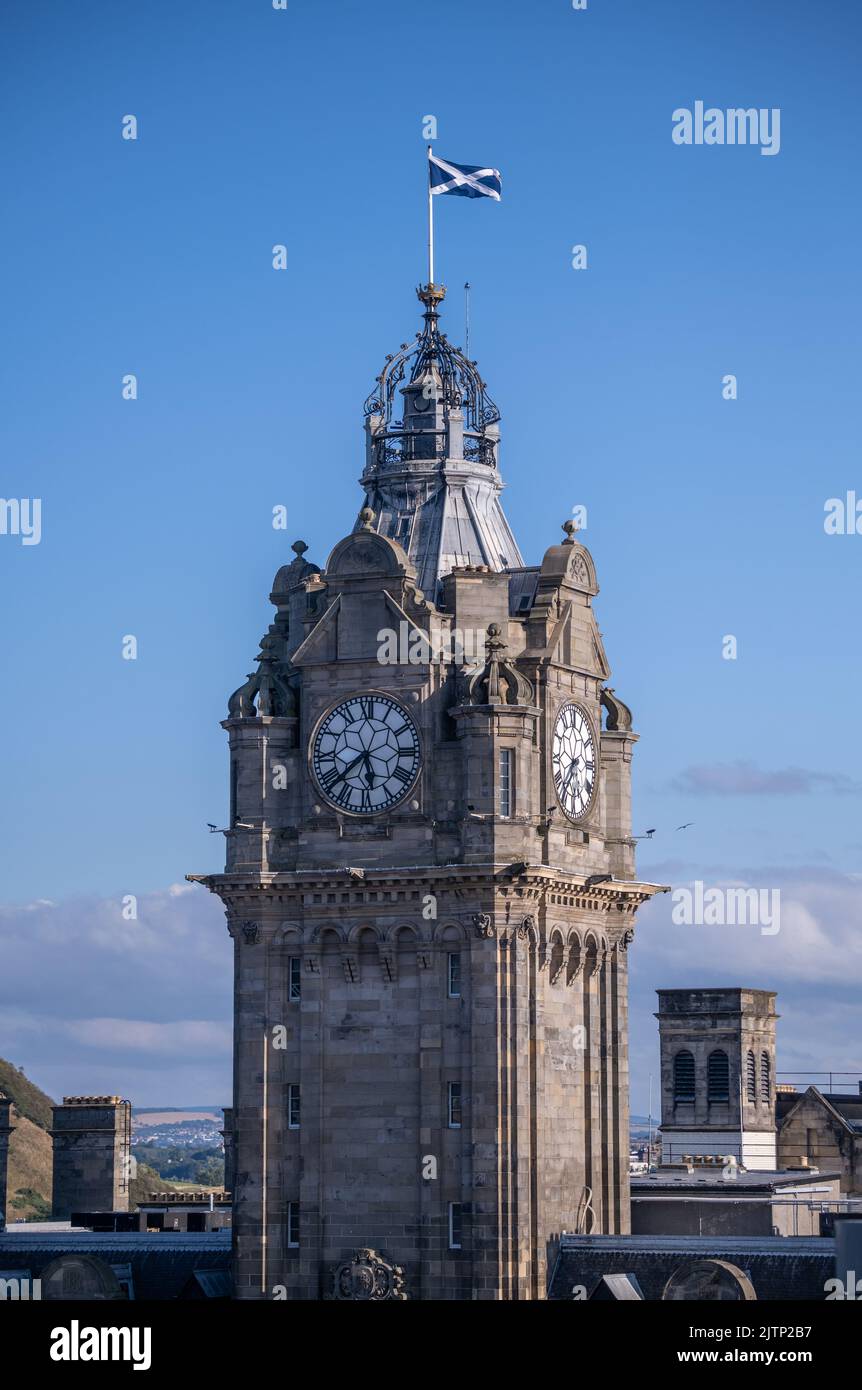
432	355
431	475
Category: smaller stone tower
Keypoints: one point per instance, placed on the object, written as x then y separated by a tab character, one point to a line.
6	1127
92	1155
718	1075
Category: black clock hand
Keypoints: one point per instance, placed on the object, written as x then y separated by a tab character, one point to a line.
351	766
369	771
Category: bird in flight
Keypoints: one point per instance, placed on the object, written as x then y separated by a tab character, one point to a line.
687	824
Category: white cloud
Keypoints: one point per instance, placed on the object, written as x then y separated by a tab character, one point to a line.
746	779
814	964
94	1002
820	937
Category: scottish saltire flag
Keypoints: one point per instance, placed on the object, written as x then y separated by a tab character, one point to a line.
467	180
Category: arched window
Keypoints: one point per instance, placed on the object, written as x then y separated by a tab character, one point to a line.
717	1076
683	1077
751	1078
765	1082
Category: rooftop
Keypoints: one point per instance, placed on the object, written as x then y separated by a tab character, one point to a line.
161	1265
780	1267
681	1180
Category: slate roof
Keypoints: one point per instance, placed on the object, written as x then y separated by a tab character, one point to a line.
161	1264
780	1267
846	1109
209	1283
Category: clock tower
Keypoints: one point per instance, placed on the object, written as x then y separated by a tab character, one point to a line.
430	885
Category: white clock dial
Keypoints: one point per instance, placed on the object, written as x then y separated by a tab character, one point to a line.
365	754
574	761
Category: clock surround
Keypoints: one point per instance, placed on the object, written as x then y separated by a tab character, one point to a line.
574	761
365	754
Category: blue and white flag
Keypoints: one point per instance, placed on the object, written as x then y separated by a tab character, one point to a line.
465	180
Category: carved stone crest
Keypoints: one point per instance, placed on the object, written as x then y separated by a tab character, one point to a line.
364	555
579	571
365	1278
250	933
483	924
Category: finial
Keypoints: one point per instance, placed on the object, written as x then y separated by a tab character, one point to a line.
494	643
431	295
366	516
299	548
570	527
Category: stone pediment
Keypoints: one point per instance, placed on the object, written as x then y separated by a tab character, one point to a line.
569	564
365	554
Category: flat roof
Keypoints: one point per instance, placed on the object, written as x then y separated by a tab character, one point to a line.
760	1179
41	1228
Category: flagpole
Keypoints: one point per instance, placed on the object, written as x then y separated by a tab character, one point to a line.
467	318
430	224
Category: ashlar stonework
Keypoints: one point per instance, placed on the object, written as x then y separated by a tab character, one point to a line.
430	884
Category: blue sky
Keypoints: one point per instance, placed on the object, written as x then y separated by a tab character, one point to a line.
153	257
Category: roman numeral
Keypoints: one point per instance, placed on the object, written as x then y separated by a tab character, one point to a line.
367	708
403	775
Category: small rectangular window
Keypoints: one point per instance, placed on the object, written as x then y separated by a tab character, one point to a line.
455	1222
454	1106
293	1225
295	978
293	1106
454	986
505	782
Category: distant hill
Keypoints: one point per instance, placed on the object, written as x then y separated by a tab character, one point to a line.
149	1119
31	1154
148	1181
177	1109
29	1100
28	1185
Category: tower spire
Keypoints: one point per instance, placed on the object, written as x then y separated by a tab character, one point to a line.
432	439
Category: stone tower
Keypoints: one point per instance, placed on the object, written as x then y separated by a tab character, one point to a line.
92	1155
718	1074
7	1125
430	885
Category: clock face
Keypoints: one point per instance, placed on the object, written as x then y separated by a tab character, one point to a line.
574	759
365	754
